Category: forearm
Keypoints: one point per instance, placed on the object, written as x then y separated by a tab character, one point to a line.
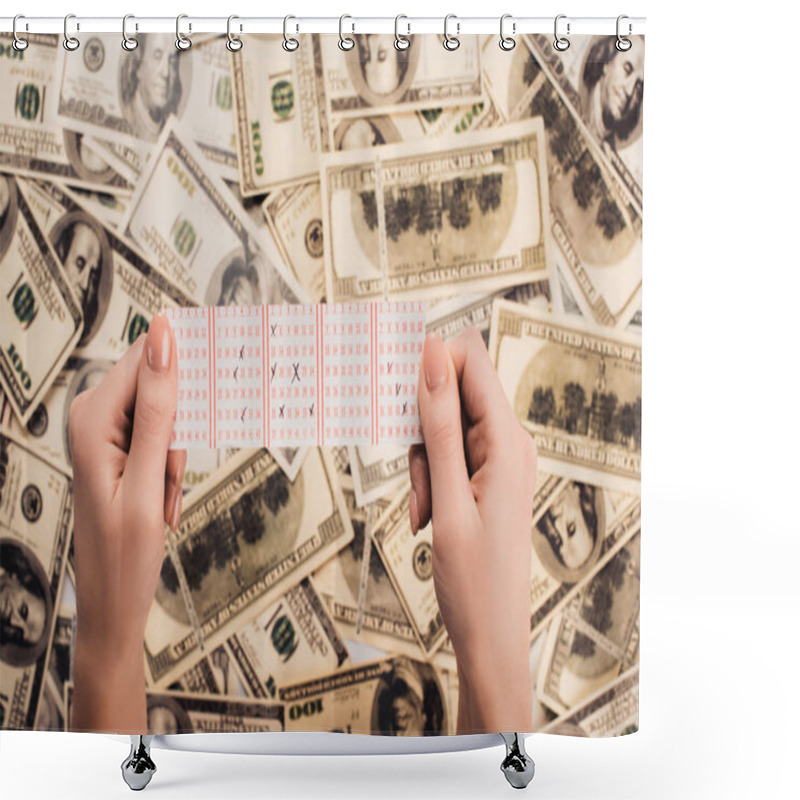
495	698
109	691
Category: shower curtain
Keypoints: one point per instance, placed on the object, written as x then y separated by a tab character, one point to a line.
500	189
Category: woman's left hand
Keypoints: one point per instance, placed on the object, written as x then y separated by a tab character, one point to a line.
127	484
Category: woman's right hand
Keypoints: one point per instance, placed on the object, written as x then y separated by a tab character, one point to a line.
474	479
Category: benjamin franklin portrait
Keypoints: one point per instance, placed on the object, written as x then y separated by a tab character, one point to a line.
568	537
151	85
611	91
26	607
242	279
408	702
83	249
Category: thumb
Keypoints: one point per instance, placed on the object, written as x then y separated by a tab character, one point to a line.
156	398
440	415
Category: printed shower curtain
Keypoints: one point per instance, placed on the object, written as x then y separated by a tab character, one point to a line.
502	189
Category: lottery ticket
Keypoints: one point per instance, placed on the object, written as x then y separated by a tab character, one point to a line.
301	374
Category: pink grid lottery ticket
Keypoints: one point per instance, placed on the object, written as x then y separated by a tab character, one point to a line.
291	375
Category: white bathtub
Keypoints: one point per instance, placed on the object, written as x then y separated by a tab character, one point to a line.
138	767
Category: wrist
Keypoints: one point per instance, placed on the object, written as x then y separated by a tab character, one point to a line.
498	694
109	685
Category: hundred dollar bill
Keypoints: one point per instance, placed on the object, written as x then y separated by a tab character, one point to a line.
35	531
294	213
407	221
598	230
383	470
355	583
40	318
174	711
409	563
604	89
575	533
246	536
190	225
277	125
118	290
596	637
375	77
32	140
576	389
396	696
611	711
294	639
127	98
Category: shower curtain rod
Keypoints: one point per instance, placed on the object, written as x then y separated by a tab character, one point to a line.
351	24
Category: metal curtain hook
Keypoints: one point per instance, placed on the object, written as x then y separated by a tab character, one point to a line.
345	43
70	42
623	44
182	42
507	42
19	43
400	42
290	44
129	42
560	43
234	43
451	42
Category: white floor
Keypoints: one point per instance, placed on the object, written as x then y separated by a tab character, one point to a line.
719	711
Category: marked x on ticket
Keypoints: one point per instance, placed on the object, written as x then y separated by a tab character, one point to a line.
291	375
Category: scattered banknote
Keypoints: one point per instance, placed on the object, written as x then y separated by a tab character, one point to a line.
32	140
577	389
277	125
396	696
611	711
118	289
596	637
408	560
375	77
246	536
295	638
35	532
358	591
203	243
604	88
595	225
471	215
41	320
128	98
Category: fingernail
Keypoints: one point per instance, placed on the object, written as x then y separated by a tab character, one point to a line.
175	515
158	345
434	362
413	512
